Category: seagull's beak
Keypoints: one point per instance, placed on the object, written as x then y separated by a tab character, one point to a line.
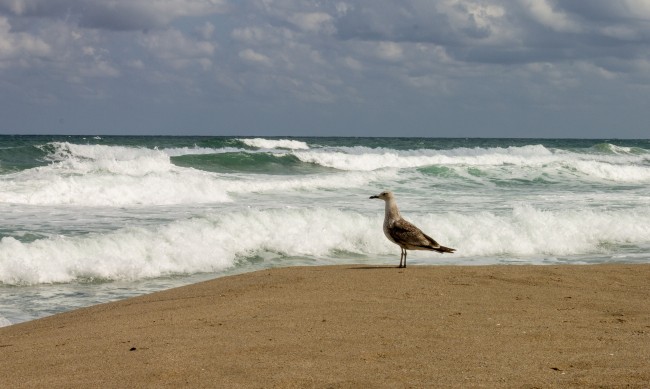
374	197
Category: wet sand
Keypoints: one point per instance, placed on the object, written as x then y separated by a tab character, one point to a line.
353	326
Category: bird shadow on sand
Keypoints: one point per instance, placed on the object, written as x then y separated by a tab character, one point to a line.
373	267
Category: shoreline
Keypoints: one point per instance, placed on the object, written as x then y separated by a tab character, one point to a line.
353	326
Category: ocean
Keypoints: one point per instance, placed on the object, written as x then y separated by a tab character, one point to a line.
86	220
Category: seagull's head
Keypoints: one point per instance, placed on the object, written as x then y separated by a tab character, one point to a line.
385	195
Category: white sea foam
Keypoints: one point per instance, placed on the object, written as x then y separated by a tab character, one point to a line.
613	172
83	159
87	186
115	176
129	254
98	175
222	240
611	148
367	159
346	180
620	149
175	187
190	246
179	151
528	231
4	322
623	167
262	143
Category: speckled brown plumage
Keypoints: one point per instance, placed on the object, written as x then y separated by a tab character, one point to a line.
405	234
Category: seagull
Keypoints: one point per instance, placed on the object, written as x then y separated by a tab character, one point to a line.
404	234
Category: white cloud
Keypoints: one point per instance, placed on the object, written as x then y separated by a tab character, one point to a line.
173	44
482	22
621	32
97	64
545	14
250	55
548	73
599	71
99	68
136	64
313	22
20	46
262	35
352	63
637	8
431	82
16	6
389	51
206	31
342	8
248	35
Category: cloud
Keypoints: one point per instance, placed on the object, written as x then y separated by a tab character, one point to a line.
118	15
263	35
174	44
551	17
500	31
206	31
482	55
313	21
250	55
20	46
390	51
178	50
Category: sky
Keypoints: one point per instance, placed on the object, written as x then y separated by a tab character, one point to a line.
445	68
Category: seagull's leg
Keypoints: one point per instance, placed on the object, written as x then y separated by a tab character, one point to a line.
401	256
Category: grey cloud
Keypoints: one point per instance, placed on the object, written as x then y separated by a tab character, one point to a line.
431	63
505	31
606	11
406	22
118	15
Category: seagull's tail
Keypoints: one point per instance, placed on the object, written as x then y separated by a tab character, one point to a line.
443	249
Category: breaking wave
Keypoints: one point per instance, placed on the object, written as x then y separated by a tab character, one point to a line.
97	175
612	166
220	241
261	143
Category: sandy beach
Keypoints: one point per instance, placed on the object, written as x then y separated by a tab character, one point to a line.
353	326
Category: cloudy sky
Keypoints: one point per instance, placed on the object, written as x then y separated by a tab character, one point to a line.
490	68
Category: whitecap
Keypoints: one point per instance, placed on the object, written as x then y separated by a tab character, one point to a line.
179	151
218	241
209	244
262	143
367	159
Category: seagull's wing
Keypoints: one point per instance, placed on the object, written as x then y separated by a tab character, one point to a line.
409	236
